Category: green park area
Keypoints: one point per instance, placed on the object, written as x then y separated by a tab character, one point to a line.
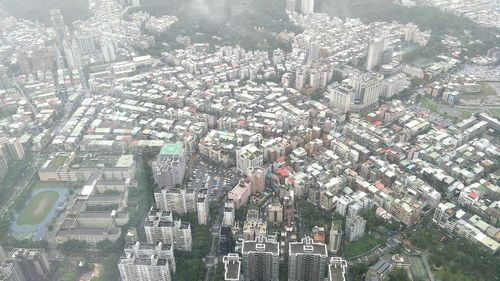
428	104
37	208
362	246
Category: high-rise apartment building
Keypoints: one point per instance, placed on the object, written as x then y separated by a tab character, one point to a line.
229	213
161	250
86	42
335	237
10	271
340	96
254	228
143	268
307	260
203	207
257	176
368	88
170	165
108	50
33	263
232	266
3	162
275	214
72	54
226	241
249	156
260	260
177	200
337	269
375	51
354	228
161	227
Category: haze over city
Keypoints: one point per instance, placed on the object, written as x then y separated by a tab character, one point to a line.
249	140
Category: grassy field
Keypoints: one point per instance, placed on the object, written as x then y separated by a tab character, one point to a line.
57	162
361	246
448	274
428	103
37	208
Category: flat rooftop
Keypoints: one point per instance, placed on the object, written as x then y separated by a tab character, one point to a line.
257	246
310	248
232	269
171	149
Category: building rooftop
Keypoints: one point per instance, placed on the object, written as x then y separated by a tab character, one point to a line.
232	266
261	245
171	149
307	246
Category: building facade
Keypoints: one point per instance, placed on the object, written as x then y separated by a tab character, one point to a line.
307	260
260	260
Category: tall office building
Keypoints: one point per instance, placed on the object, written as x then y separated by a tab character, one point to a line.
143	268
260	260
33	263
307	6
354	228
161	227
307	260
291	5
337	269
232	266
335	237
177	200
170	165
161	250
375	51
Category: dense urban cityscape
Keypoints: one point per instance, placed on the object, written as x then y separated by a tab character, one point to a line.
249	140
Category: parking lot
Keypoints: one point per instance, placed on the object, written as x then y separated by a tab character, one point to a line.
217	179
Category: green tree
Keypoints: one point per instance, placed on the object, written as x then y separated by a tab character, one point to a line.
74	246
105	245
397	275
109	270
